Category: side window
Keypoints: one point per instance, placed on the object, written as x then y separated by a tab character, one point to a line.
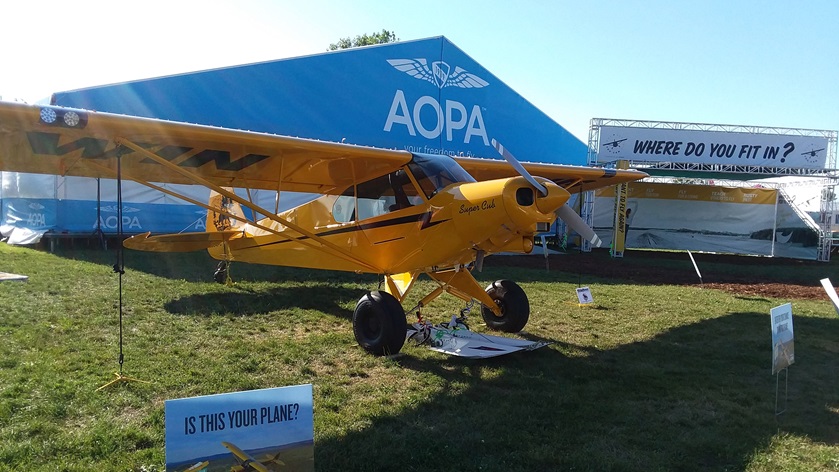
343	210
384	194
374	197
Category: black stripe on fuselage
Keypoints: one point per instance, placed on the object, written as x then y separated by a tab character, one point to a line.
421	217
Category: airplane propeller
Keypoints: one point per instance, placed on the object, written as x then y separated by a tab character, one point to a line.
519	168
573	220
566	213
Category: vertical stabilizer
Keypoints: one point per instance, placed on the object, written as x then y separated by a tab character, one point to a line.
220	220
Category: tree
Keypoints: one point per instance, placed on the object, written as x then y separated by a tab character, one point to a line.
365	40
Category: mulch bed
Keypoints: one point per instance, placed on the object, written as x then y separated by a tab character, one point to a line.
635	267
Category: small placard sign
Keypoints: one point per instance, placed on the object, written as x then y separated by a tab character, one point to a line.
584	295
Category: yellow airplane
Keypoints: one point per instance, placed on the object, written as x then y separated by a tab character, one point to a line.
388	212
248	463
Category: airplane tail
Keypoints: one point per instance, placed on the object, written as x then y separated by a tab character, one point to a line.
221	228
219	221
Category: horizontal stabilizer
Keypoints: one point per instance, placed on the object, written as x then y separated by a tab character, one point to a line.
182	242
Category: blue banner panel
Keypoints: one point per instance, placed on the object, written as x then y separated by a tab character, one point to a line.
422	96
39	214
81	216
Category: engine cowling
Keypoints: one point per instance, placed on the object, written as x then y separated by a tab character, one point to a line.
505	214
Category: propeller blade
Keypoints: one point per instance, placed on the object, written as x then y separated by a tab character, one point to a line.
573	220
519	168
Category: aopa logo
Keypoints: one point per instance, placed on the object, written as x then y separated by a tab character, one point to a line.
451	115
439	73
111	221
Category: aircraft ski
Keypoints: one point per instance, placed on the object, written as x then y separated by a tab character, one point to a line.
6	276
460	341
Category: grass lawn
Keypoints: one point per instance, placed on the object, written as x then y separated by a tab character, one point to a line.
648	378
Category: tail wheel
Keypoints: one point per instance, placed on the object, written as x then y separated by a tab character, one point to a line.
515	309
222	273
379	323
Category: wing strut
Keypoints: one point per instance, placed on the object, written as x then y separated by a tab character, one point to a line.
243	220
325	246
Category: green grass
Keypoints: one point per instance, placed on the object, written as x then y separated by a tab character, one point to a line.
651	377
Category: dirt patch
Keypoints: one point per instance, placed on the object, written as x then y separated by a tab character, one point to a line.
719	271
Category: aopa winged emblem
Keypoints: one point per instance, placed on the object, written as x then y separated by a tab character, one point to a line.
439	74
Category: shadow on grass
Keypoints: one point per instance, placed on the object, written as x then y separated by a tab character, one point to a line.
699	397
198	266
321	297
670	267
191	266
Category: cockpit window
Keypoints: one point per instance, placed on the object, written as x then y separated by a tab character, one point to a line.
435	172
343	210
384	194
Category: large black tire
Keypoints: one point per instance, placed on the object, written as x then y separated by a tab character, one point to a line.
379	323
515	309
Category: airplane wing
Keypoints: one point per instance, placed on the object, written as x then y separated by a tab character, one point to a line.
63	141
571	178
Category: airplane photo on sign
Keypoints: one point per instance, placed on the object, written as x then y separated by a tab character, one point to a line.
388	212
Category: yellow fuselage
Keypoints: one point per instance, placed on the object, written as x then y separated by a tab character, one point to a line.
444	231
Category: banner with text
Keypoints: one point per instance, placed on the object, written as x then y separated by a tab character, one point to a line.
711	147
225	431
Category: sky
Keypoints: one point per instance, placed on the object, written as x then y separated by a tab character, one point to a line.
761	63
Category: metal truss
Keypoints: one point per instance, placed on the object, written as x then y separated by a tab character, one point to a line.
810	182
749	170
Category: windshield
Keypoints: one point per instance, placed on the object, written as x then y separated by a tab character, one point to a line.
435	172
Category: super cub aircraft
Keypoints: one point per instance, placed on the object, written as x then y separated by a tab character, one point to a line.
388	212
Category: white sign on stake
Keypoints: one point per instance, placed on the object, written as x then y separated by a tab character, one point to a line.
831	293
783	348
584	295
695	266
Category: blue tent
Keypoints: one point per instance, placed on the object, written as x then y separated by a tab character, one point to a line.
423	96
